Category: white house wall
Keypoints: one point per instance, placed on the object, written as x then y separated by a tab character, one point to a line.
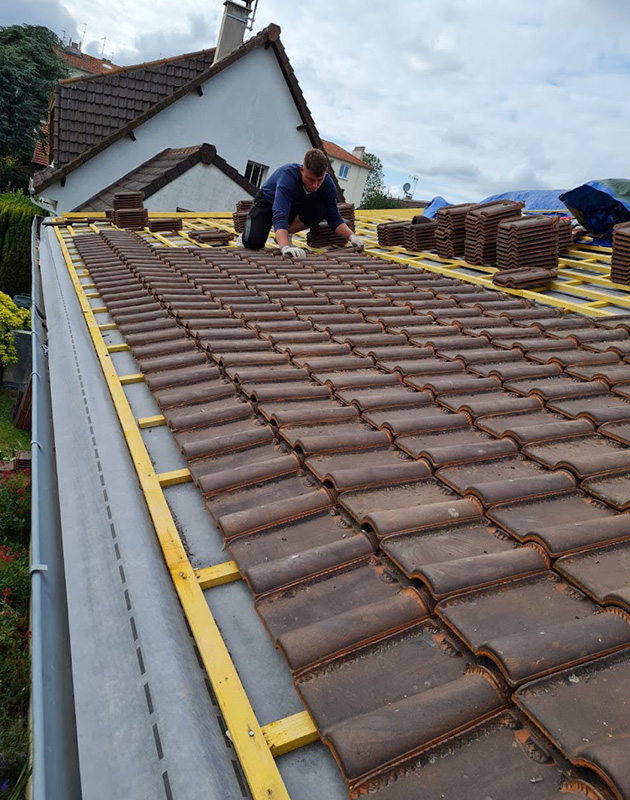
246	111
202	188
354	184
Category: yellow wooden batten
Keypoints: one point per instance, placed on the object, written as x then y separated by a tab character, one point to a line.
209	577
151	422
174	477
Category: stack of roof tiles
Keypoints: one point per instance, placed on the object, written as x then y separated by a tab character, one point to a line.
620	259
450	234
423	484
482	227
240	215
128	211
166	224
323	236
565	234
527	252
420	236
525	278
391	234
213	236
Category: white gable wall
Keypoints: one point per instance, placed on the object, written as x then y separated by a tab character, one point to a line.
246	112
202	188
354	184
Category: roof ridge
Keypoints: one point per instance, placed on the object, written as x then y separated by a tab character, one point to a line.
131	67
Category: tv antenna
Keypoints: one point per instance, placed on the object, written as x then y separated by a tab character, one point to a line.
84	26
409	189
104	39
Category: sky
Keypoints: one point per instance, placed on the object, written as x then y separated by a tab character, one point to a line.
474	97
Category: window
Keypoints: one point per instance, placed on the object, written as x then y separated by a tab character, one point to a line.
343	171
255	173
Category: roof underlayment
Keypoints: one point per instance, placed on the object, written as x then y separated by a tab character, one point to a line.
462	488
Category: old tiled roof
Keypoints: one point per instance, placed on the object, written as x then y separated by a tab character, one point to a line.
85	111
139	93
334	151
160	170
97	66
423	484
40	154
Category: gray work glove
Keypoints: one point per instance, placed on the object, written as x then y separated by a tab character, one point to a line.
293	252
357	241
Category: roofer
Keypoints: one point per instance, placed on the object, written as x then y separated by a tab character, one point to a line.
295	198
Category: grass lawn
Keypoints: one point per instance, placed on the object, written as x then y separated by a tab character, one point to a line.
10	437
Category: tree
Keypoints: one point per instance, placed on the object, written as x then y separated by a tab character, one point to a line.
29	67
375	195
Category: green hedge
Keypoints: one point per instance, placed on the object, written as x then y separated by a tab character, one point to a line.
16	218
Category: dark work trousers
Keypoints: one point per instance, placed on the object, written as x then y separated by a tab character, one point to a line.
311	210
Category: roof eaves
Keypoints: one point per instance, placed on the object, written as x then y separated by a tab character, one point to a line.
270	34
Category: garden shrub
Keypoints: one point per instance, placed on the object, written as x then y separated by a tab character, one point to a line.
16	218
12	318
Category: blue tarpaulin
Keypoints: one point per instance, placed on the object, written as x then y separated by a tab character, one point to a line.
534	199
600	205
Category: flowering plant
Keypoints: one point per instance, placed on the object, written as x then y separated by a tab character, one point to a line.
15	506
12	318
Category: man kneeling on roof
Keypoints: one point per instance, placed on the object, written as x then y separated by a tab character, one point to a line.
295	198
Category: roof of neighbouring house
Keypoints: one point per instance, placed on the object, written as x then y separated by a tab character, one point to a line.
90	114
83	61
334	151
160	170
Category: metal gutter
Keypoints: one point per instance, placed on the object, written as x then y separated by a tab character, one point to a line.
55	769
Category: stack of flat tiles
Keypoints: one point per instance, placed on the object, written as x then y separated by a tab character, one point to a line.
215	236
420	236
240	215
422	483
524	278
391	234
482	226
323	236
527	242
128	200
347	212
565	234
128	211
620	260
450	235
166	224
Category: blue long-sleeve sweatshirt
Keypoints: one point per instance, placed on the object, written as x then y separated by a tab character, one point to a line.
285	188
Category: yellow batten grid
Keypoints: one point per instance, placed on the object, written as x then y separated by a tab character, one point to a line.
254	746
117	348
107	326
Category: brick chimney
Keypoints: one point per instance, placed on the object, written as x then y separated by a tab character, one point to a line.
233	26
358	152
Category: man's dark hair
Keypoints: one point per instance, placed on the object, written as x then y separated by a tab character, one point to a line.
316	161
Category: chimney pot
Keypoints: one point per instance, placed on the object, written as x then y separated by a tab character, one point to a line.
233	26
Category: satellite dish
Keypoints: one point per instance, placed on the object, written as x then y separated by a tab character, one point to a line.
406	187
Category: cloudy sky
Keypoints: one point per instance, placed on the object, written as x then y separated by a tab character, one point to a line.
473	97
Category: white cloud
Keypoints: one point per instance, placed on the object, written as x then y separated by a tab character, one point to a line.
474	98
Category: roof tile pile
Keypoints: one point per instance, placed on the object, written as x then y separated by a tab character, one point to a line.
420	236
323	236
620	259
482	229
211	236
565	234
240	215
128	211
450	234
391	234
422	484
166	224
524	278
528	242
